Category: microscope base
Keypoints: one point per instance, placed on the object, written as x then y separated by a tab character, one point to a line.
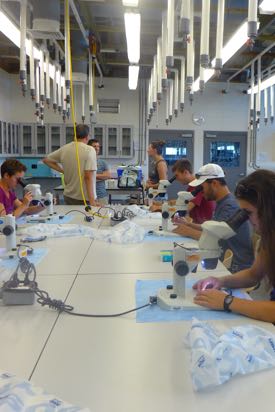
12	254
165	301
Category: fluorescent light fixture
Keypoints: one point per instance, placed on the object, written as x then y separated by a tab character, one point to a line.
264	84
132	29
232	46
12	32
130	3
267	7
133	77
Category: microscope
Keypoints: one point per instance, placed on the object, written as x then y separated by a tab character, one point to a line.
39	199
160	191
186	257
8	228
180	207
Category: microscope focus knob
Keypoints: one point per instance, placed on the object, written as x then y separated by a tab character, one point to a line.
8	230
165	214
47	203
150	195
181	268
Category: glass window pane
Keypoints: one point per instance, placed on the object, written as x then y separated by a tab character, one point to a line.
225	154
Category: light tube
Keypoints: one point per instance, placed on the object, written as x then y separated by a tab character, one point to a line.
133	73
132	29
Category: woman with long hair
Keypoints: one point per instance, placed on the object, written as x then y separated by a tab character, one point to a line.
256	195
160	170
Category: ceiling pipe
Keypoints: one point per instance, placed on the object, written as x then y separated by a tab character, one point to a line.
252	27
23	31
155	83
175	92
219	35
48	90
167	100
171	100
184	26
164	80
204	44
42	85
59	91
170	33
258	96
64	106
272	104
266	106
91	90
190	51
67	59
37	91
55	89
159	65
83	90
32	71
202	79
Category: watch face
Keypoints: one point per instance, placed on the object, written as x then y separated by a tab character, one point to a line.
227	301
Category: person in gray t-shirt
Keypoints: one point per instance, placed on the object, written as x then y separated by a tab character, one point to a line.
103	173
211	178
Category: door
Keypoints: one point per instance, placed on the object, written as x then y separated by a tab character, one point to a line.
126	141
112	141
179	144
98	133
228	150
55	137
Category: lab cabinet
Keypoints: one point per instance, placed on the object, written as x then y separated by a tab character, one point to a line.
34	140
56	139
116	141
27	139
69	134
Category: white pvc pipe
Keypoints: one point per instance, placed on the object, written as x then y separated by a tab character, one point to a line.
205	23
155	82
190	51
42	77
23	30
67	63
59	91
164	48
252	84
182	83
272	103
258	96
219	35
37	90
185	17
55	88
48	90
64	107
252	19
265	105
32	71
171	100
202	78
159	66
83	90
167	103
170	33
176	93
91	86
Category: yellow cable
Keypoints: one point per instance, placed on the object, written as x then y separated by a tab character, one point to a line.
67	17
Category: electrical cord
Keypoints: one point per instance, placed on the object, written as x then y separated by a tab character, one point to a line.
43	298
87	217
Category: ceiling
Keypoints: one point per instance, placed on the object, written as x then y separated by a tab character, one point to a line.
105	19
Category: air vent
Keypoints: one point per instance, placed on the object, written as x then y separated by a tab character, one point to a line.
108	106
43	34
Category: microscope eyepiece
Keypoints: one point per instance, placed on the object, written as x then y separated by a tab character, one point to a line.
172	179
237	219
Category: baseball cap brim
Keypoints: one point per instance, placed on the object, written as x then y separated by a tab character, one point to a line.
198	181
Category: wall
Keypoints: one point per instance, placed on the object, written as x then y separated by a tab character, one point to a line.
224	112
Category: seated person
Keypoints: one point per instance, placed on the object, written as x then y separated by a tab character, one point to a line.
211	177
11	172
256	195
199	209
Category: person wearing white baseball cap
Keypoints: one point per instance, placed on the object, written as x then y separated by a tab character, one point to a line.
212	179
209	171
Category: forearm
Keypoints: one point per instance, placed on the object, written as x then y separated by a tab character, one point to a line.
195	226
89	187
32	210
260	310
242	279
53	165
103	176
20	210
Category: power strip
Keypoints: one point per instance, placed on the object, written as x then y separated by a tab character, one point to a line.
21	295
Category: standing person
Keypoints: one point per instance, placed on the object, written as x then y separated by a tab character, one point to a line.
12	171
160	171
256	195
64	161
199	209
103	173
211	177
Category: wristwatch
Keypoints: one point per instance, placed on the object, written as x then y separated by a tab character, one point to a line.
227	302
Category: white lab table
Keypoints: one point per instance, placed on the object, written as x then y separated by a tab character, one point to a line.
120	366
25	329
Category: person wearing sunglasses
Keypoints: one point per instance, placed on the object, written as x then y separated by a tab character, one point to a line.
12	171
256	195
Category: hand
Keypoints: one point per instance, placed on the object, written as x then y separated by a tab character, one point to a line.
179	220
183	230
27	199
210	298
95	203
208	283
155	207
